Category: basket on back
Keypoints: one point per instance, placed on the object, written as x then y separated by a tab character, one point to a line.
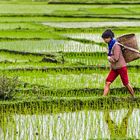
129	47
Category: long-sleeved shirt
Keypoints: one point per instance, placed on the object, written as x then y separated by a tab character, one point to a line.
116	59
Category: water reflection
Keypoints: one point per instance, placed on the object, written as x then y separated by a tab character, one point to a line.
118	131
78	125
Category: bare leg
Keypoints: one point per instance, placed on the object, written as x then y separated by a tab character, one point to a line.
106	88
130	89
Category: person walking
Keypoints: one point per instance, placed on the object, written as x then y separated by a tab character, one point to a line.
117	62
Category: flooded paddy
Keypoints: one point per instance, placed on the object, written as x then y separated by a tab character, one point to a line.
86	123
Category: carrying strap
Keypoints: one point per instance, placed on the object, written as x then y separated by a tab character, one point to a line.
126	47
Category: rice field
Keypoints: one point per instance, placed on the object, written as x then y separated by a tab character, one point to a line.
85	124
54	49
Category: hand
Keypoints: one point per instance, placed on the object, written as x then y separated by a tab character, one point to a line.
110	59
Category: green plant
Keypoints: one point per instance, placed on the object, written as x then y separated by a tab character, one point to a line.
8	86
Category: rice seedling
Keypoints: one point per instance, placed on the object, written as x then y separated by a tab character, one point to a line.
91	24
78	124
83	79
45	46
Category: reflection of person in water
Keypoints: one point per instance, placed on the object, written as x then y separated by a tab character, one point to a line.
118	131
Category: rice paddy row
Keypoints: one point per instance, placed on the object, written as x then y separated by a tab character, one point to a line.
124	11
67	61
70	80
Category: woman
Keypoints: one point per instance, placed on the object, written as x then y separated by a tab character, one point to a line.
117	61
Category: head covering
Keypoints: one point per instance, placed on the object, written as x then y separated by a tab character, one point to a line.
108	33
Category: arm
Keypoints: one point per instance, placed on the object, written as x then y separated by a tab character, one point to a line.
115	57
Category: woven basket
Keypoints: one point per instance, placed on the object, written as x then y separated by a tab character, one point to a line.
129	47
